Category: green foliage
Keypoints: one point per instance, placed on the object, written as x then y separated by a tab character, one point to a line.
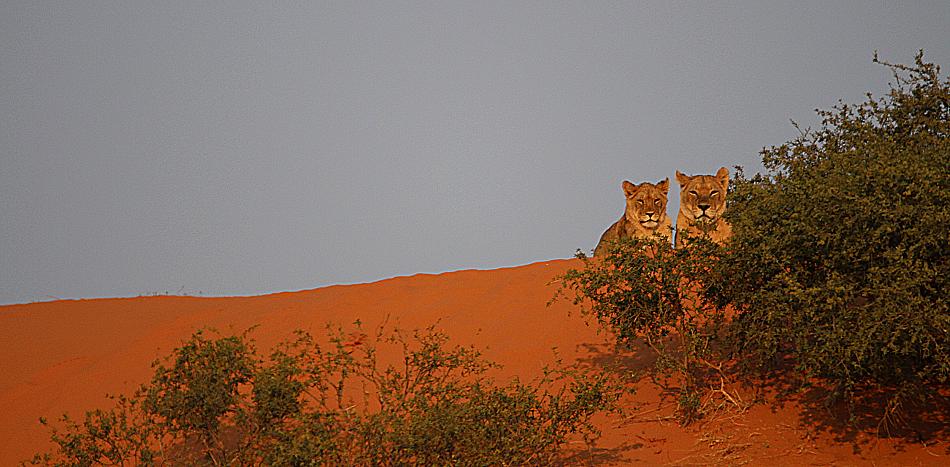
214	401
841	252
645	292
839	260
196	394
105	437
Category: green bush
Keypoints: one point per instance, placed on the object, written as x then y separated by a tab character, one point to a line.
216	402
839	262
199	391
120	436
841	252
649	295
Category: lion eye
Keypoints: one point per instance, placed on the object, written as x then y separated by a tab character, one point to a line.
639	201
694	193
714	193
656	202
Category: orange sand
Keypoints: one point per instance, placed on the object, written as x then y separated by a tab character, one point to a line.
64	356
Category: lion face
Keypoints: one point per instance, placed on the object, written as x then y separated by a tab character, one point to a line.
703	197
646	203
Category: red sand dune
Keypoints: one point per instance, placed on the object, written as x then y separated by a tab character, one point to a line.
64	356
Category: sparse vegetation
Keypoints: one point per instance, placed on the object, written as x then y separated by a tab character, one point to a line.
647	294
214	401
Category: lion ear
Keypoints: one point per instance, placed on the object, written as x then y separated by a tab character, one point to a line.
682	178
628	188
723	176
664	186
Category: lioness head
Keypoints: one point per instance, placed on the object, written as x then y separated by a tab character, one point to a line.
703	197
646	203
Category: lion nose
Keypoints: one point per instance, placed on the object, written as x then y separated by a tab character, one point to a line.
703	206
650	214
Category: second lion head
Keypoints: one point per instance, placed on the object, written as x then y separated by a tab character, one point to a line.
702	203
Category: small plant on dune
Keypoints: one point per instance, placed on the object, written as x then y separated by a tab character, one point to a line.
215	402
196	392
187	412
120	436
648	295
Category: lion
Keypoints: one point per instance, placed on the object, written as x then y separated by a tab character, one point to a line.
702	202
644	216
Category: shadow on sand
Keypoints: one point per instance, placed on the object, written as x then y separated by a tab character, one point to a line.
859	424
862	422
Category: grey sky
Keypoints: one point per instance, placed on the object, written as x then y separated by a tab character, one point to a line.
241	148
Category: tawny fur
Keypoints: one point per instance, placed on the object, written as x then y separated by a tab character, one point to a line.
644	216
702	202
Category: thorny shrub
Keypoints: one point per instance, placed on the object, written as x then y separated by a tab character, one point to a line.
650	295
215	401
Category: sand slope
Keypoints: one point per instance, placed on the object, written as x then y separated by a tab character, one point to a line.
64	356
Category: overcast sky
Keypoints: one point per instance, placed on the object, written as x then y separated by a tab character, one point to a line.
240	148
